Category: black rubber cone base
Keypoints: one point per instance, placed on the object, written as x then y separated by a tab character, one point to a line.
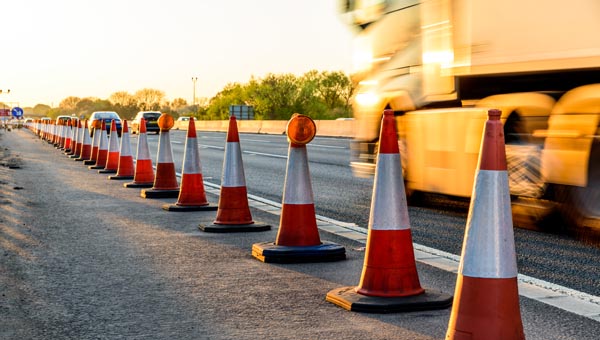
120	178
175	207
234	228
107	171
138	185
74	156
349	299
89	162
158	193
95	167
269	252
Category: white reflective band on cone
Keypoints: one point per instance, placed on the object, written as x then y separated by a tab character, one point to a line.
113	142
489	245
191	158
388	205
233	172
165	155
125	145
96	140
298	189
103	141
142	148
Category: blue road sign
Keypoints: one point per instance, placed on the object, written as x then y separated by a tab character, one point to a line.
17	112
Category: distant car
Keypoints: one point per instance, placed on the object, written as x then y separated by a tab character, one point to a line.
151	118
107	117
181	121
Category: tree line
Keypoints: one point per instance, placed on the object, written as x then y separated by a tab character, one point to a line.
321	95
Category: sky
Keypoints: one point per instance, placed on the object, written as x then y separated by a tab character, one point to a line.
53	49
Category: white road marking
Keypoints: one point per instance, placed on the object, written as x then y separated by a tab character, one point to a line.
326	146
264	154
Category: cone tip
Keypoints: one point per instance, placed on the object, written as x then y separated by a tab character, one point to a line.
191	128
124	129
494	114
388	140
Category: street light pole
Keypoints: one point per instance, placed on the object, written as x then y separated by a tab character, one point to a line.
194	79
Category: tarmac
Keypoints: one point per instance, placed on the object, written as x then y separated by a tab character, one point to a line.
85	258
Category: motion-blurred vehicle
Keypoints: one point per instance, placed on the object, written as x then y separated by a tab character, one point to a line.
151	118
107	117
441	64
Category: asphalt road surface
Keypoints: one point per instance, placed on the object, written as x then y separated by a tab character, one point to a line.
85	258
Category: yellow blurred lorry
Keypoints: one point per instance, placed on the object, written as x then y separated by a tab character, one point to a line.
441	64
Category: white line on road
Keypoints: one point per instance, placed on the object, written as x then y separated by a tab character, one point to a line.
326	146
264	154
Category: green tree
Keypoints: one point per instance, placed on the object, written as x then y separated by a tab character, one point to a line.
275	96
41	110
68	106
232	94
149	99
124	103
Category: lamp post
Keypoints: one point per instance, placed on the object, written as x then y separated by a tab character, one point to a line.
194	80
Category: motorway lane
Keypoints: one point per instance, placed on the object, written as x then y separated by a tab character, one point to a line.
553	258
85	258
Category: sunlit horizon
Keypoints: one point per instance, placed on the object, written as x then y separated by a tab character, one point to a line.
95	48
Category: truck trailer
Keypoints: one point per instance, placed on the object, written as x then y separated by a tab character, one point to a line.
441	64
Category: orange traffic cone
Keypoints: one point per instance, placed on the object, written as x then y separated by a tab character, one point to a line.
389	281
96	126
68	132
487	299
192	196
102	149
144	173
112	158
234	213
86	144
78	141
165	181
125	169
60	137
298	237
74	137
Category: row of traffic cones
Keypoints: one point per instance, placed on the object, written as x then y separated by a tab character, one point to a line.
486	303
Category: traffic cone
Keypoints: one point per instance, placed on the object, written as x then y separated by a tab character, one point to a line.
389	281
165	181
112	158
298	237
78	141
125	169
74	137
68	132
144	173
58	135
96	125
192	196
487	298
86	145
234	213
102	149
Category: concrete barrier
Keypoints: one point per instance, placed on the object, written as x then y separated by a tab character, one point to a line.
274	127
249	126
328	128
335	128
